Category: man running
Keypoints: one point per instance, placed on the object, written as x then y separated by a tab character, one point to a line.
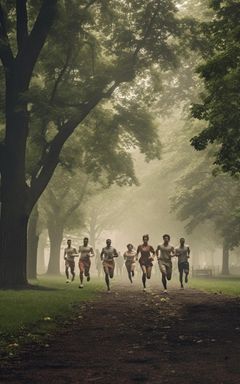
107	256
183	254
130	257
69	254
165	252
85	251
147	253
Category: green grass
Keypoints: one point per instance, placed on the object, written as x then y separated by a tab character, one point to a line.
22	309
225	285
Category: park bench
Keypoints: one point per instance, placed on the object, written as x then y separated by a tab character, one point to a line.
202	272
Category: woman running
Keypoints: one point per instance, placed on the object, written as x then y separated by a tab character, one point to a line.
130	257
146	258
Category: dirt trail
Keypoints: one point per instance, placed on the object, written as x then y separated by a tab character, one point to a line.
129	336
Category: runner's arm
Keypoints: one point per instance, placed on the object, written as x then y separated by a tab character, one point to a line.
65	254
101	254
188	251
173	254
153	253
115	253
92	254
75	254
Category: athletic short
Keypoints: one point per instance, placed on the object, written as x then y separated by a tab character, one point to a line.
165	268
110	264
145	262
84	264
183	267
129	264
70	264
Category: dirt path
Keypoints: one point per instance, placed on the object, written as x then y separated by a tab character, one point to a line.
129	336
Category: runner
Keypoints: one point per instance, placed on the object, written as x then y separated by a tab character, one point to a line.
130	257
165	252
183	254
107	256
85	251
69	254
145	259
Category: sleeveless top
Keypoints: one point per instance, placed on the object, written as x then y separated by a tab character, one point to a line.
165	253
85	252
182	253
145	251
108	253
69	253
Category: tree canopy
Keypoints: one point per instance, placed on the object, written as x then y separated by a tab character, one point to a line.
219	106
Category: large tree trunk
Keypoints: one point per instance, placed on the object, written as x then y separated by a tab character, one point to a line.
55	231
15	209
225	259
33	238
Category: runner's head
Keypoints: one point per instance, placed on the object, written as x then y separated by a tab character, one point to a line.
166	238
130	247
108	242
182	241
145	239
85	241
69	242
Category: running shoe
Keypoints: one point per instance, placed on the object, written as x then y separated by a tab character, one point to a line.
165	291
186	278
68	281
88	278
80	286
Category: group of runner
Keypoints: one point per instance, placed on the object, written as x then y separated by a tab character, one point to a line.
145	254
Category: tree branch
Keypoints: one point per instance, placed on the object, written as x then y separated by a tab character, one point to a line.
51	158
61	74
28	55
147	31
6	54
22	23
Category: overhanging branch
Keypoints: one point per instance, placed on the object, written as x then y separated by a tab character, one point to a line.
22	23
28	55
6	54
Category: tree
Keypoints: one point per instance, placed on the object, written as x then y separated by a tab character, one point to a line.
201	198
220	104
118	51
61	204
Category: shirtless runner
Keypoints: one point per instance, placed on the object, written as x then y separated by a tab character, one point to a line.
86	252
69	254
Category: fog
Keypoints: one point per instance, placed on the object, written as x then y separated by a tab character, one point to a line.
125	213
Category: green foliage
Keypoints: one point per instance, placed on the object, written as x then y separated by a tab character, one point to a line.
202	198
220	106
230	286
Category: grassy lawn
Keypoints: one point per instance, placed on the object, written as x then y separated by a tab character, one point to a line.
224	285
32	313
